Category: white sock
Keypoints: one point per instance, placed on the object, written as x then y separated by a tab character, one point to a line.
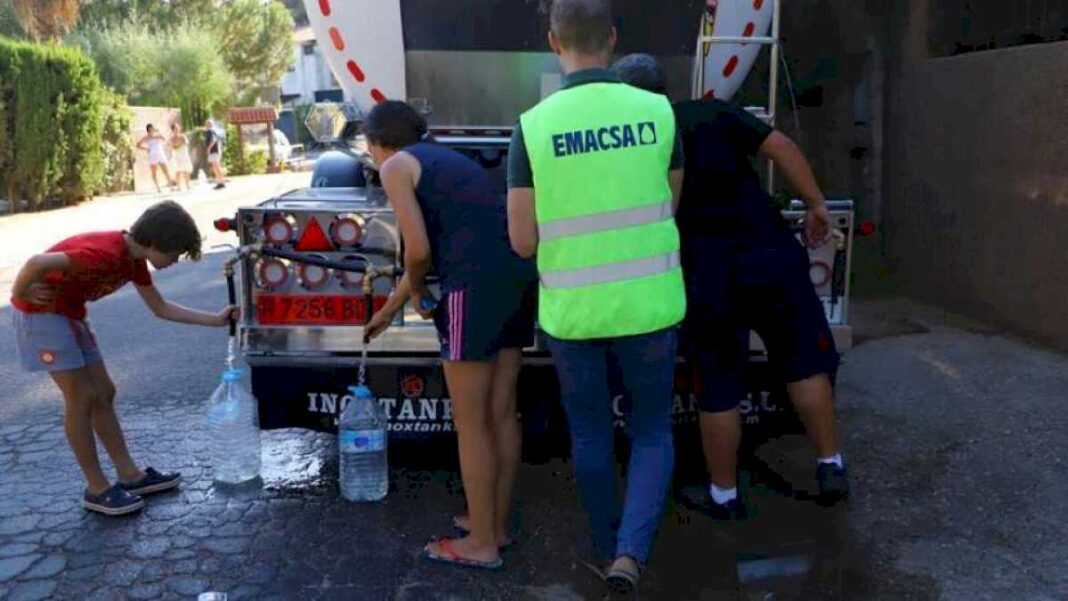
835	459
722	496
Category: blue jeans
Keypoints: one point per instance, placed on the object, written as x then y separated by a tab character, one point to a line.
647	365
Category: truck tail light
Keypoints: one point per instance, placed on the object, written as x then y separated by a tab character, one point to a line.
278	230
346	231
351	279
820	273
225	225
274	273
313	276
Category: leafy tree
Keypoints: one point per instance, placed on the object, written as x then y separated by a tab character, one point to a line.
159	14
9	21
46	19
299	12
179	66
192	75
256	41
126	55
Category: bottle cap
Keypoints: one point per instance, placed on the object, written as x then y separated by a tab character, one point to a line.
232	375
360	391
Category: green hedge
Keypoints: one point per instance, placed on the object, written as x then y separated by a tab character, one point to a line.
118	152
257	162
233	156
237	161
51	123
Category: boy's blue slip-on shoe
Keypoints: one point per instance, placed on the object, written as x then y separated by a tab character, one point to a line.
153	482
113	501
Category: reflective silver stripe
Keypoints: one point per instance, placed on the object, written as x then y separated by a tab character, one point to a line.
613	272
601	222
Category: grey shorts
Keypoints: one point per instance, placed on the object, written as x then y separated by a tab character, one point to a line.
51	342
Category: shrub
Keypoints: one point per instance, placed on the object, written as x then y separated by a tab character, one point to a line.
50	123
257	162
236	161
233	156
115	144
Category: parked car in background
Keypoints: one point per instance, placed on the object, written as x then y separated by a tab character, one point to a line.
283	150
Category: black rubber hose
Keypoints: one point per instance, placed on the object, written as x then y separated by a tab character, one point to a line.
231	290
358	267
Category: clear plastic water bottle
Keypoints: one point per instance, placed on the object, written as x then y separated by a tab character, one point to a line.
233	425
362	448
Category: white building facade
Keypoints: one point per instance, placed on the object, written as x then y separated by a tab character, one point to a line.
310	79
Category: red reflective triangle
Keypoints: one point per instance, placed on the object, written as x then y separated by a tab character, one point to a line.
314	238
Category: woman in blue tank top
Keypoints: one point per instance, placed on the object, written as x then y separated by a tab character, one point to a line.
453	223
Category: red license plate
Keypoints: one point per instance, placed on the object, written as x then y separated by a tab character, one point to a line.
283	309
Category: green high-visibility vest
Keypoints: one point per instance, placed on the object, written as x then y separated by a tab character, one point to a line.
608	248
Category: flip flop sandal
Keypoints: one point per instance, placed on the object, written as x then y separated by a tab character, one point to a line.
622	581
596	571
458	524
448	555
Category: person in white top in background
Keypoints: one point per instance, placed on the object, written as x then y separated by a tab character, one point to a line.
179	147
154	142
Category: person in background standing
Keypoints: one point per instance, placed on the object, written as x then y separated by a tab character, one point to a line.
153	142
213	150
183	164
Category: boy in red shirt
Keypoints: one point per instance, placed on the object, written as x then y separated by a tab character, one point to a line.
52	335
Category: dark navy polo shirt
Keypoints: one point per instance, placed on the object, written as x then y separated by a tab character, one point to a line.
722	195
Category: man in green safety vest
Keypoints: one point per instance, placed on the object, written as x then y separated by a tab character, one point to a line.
594	176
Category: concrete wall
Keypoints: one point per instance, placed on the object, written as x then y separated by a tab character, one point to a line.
976	180
837	67
963	160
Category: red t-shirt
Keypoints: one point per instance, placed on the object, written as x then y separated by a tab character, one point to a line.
100	263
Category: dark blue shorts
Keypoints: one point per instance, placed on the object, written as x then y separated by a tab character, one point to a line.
732	289
477	320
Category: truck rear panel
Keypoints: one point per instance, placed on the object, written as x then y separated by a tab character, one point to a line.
304	355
